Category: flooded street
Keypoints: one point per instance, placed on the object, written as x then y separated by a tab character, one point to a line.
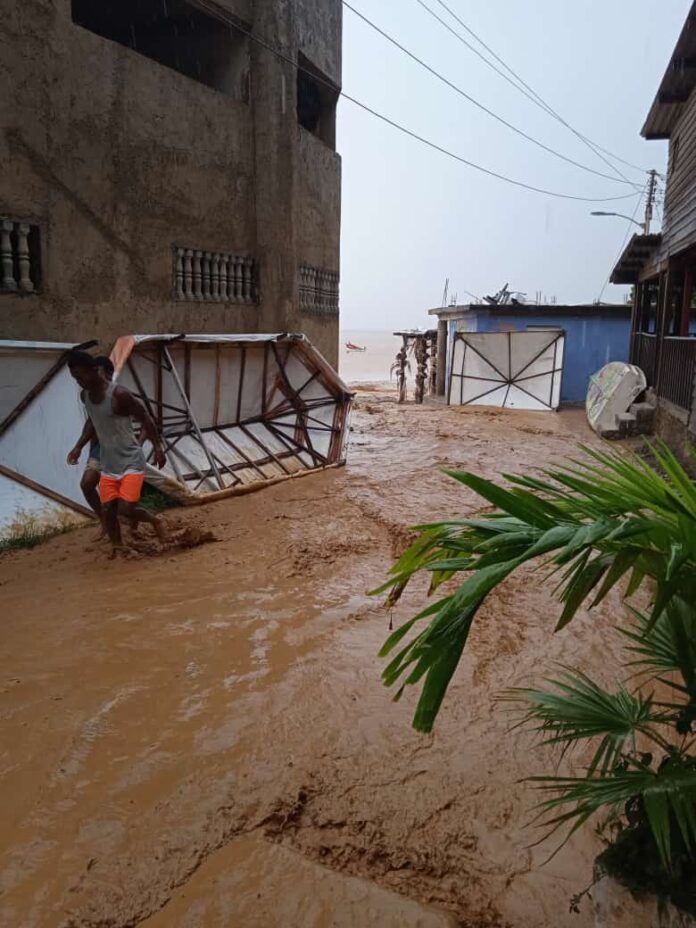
202	739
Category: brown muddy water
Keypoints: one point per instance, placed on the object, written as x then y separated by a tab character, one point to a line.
202	739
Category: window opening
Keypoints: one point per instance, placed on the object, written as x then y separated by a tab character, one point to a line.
176	34
317	97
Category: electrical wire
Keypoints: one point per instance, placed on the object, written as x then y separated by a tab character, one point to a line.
414	135
623	244
525	88
480	105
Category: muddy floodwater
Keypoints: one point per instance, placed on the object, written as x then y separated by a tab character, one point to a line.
201	739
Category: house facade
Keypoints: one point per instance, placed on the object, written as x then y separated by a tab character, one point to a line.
595	335
169	166
662	267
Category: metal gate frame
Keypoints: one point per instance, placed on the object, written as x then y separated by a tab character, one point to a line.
507	379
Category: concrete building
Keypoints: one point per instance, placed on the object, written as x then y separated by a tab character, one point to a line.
595	335
169	166
662	266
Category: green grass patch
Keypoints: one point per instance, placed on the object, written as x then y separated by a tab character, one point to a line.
155	501
28	533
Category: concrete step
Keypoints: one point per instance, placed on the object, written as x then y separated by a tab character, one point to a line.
645	417
627	424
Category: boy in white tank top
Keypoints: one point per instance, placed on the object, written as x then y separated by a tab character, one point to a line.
111	410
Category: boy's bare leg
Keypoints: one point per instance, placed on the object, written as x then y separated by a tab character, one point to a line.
135	514
90	489
113	526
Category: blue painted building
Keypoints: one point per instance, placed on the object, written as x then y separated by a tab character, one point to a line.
595	335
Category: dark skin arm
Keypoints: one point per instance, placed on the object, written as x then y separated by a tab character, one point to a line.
88	435
125	404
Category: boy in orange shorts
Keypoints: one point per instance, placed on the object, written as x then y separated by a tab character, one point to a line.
111	410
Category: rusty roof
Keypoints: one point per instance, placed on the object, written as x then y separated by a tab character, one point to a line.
677	84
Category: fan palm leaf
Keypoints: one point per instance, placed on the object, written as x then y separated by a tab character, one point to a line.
574	709
668	795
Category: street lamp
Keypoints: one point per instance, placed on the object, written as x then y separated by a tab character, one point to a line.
620	215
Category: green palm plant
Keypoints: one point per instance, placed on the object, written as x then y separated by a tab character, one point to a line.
593	524
641	771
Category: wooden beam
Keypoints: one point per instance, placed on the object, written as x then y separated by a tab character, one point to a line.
686	302
265	450
667	99
45	491
37	388
684	63
216	403
196	429
254	487
242	367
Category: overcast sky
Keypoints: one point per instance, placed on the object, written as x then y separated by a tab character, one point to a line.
412	217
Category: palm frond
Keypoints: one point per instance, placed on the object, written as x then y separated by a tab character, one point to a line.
668	795
575	709
597	520
668	644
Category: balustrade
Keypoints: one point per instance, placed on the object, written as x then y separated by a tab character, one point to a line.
318	290
19	257
214	277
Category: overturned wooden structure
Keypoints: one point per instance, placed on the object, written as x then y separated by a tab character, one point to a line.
236	412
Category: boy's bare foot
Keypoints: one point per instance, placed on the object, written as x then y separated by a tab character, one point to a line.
119	551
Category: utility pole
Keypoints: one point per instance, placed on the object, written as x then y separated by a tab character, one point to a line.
652	189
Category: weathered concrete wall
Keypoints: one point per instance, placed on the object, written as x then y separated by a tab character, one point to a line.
118	159
678	429
319	25
317	225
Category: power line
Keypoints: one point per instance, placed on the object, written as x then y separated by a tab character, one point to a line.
623	244
478	104
535	97
414	135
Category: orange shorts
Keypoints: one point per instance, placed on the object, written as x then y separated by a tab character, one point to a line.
128	488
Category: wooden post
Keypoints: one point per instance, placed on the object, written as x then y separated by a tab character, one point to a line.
636	315
196	429
421	353
661	321
441	357
400	367
686	301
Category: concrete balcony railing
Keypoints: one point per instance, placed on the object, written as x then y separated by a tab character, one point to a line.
318	291
211	276
19	257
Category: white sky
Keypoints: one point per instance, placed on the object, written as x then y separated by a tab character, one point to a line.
412	217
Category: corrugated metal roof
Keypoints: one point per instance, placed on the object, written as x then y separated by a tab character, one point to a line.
638	251
677	84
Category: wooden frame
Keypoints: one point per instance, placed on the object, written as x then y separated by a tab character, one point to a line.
290	413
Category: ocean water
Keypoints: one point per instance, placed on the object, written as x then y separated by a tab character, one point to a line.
371	366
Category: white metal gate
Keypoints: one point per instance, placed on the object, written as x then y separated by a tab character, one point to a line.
516	370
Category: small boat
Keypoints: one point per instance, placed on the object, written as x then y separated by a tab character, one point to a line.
351	347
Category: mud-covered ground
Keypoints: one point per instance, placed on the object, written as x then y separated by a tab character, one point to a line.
202	739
